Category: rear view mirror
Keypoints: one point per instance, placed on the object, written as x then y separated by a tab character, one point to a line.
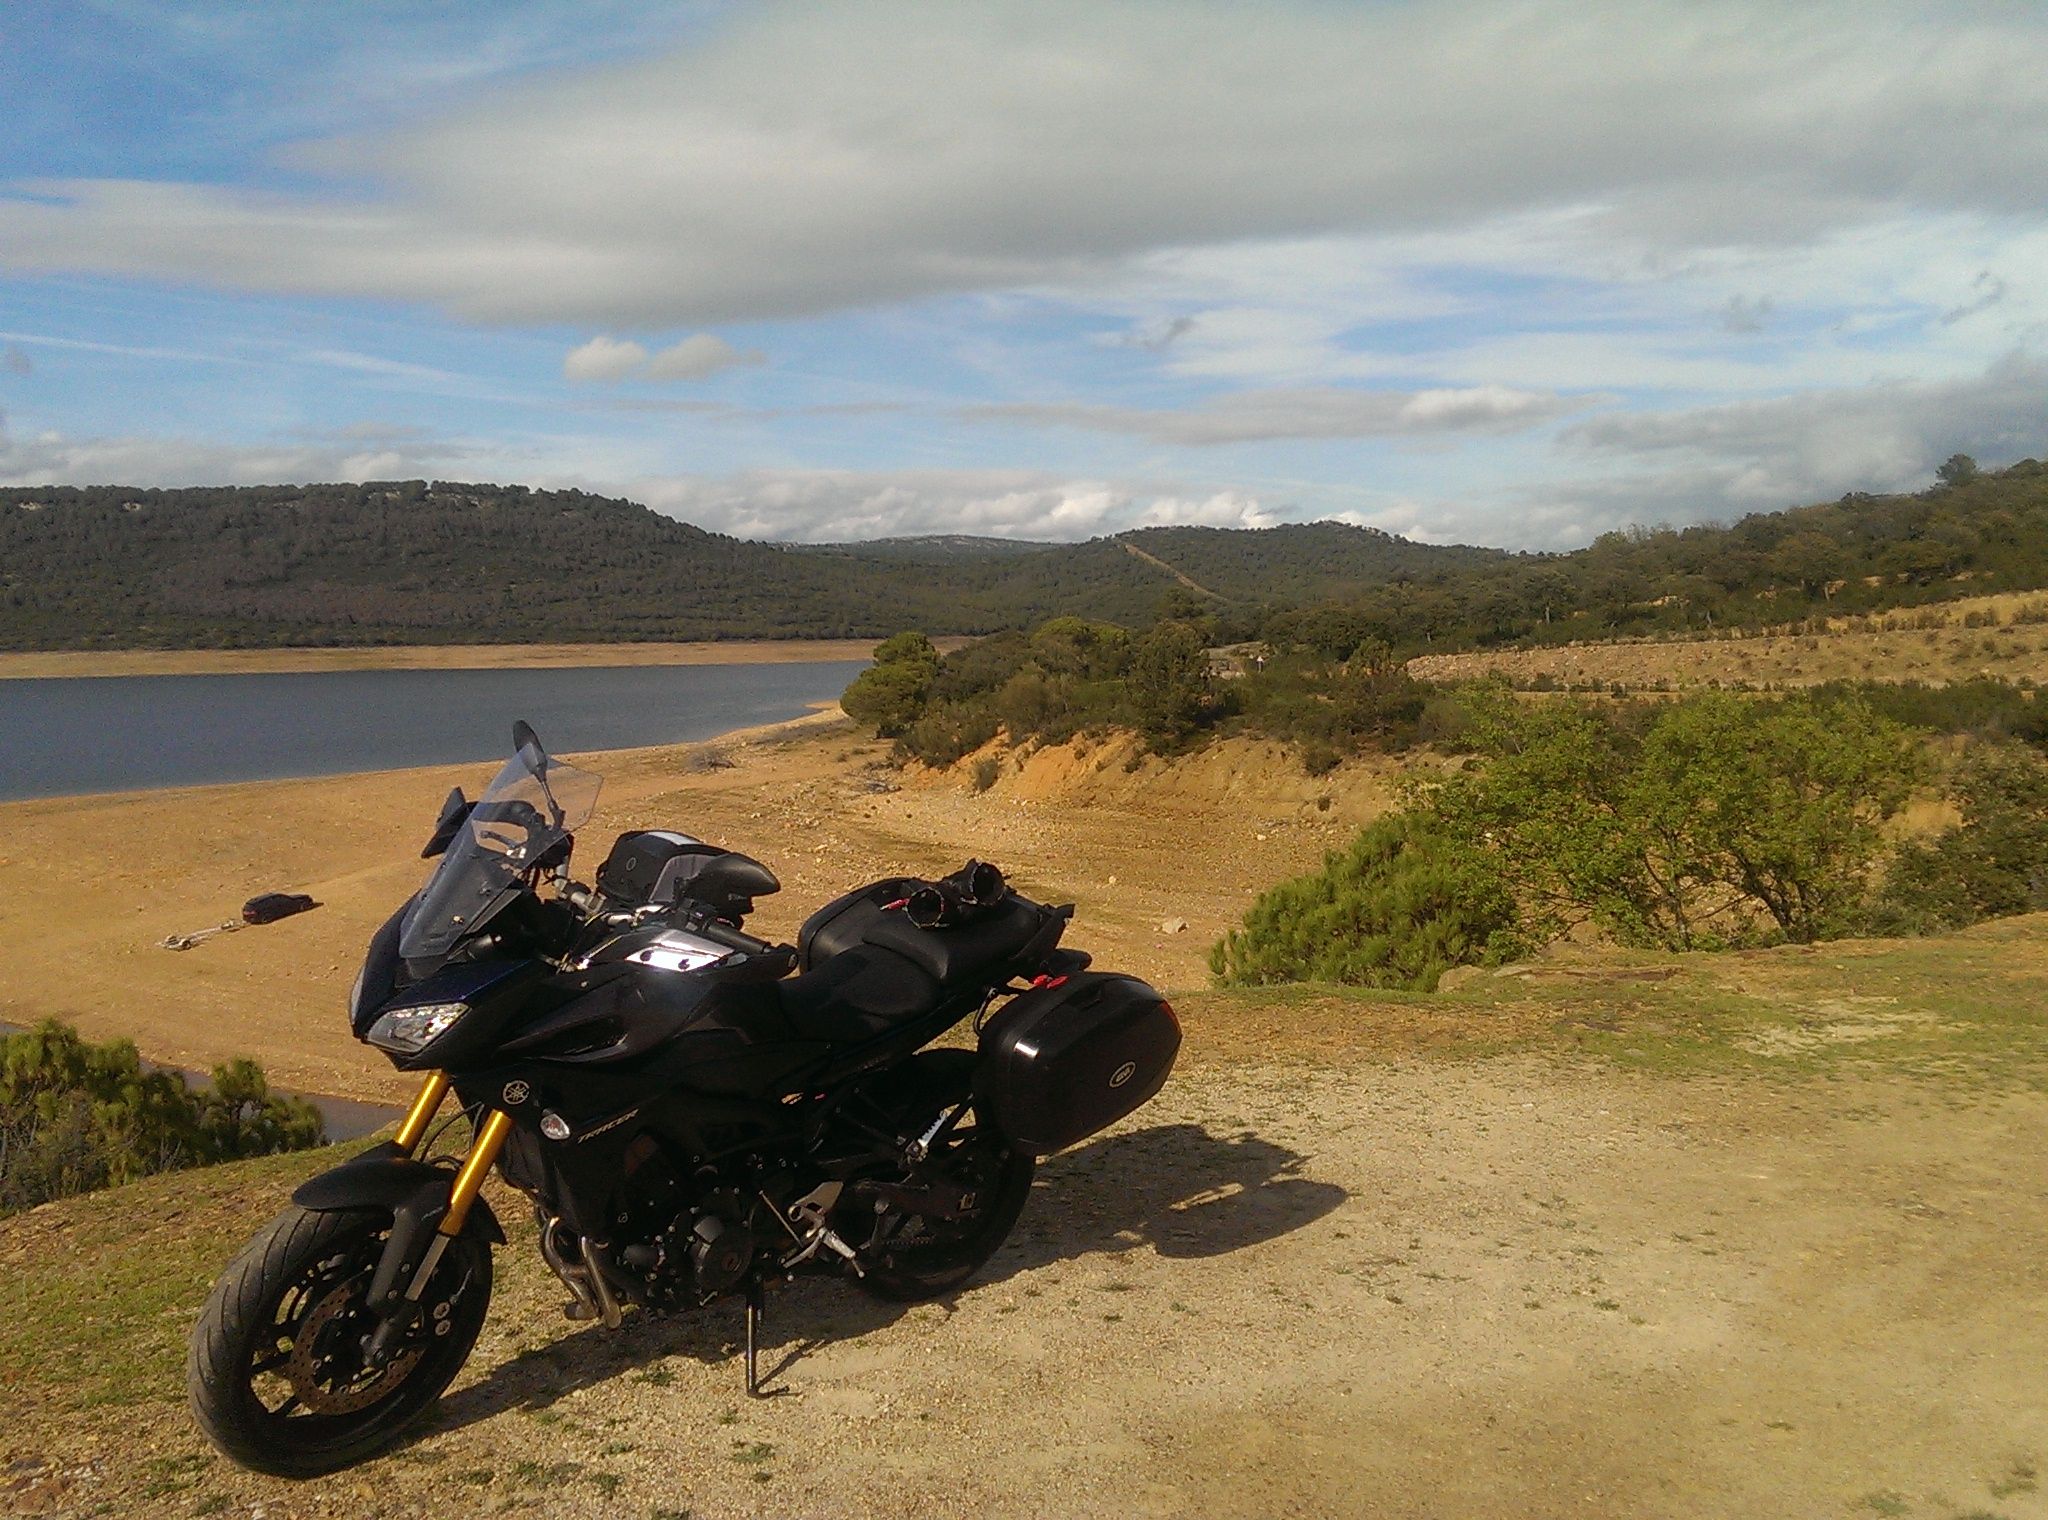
454	814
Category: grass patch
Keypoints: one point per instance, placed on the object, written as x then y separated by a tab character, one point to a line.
1958	1006
98	1293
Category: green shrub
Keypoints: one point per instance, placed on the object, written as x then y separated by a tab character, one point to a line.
76	1116
889	694
1168	683
1319	758
1398	908
946	733
1713	820
1993	863
985	772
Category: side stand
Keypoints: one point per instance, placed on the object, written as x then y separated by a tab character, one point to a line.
756	1304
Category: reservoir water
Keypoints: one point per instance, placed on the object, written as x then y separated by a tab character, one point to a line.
70	735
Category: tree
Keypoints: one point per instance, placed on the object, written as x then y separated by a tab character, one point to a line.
1398	908
890	694
1169	682
1957	470
1778	804
1809	560
1544	801
76	1116
1718	820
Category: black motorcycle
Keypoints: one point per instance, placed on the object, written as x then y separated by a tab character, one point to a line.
692	1111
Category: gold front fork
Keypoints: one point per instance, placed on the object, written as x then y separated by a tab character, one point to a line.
414	1126
490	1139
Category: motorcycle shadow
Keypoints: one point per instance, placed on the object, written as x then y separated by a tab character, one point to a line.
1182	1190
1185	1192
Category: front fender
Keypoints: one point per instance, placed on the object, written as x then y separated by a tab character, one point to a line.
384	1177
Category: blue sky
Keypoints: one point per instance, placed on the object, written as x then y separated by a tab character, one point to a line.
1502	273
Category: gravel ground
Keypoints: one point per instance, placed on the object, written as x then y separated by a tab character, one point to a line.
1422	1287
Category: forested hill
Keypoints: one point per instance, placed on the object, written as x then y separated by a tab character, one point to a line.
412	562
437	563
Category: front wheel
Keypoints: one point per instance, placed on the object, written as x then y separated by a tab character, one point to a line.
276	1375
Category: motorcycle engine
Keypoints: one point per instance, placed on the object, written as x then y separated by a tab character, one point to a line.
705	1251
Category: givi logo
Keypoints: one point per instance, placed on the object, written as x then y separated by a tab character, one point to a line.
1123	1074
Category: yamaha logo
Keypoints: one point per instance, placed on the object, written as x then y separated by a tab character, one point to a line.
1123	1074
516	1093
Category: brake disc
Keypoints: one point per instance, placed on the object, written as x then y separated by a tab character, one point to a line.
308	1364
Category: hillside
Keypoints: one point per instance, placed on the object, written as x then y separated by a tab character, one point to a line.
413	562
410	562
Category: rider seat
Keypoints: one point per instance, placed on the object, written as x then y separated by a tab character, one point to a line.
868	968
859	992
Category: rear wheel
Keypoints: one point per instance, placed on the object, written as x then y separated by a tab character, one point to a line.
276	1375
911	1256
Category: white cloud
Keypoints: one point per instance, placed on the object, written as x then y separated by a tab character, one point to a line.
1251	416
369	453
805	157
836	506
1879	437
603	358
1746	314
700	355
1715	462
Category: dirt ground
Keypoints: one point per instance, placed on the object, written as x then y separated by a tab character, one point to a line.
1347	1264
90	886
1407	1286
194	662
2004	636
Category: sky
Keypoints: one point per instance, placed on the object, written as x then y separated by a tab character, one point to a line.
1503	273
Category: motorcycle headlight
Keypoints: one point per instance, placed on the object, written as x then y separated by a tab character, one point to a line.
408	1031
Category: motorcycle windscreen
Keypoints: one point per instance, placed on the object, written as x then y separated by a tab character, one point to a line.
532	805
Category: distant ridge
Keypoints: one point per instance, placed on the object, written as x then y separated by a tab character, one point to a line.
443	562
928	547
417	562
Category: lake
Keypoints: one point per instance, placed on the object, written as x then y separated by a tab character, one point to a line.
72	735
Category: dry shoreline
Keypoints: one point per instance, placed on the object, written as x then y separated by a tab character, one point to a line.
91	885
43	664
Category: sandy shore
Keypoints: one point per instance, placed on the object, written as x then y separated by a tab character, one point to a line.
205	662
89	886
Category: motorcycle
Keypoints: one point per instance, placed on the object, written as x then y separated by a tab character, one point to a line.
693	1113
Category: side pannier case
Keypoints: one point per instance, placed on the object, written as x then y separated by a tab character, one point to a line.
1061	1062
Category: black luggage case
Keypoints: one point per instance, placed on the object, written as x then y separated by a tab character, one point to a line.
1066	1060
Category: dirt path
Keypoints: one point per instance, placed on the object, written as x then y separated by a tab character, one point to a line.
1165	569
1413	1287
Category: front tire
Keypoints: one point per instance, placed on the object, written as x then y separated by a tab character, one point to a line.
275	1374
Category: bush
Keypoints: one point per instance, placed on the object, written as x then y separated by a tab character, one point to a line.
944	734
76	1116
1168	683
1319	758
890	693
985	771
1717	819
1993	863
1398	908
